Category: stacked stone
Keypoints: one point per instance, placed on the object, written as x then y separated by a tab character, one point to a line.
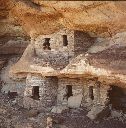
99	106
82	41
57	60
28	101
77	89
56	41
87	101
104	90
100	93
47	91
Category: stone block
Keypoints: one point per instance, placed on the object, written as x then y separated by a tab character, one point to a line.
98	112
59	109
75	101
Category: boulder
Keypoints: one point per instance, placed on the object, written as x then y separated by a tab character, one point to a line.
59	109
98	112
116	114
75	101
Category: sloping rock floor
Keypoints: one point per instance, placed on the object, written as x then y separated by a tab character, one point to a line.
14	116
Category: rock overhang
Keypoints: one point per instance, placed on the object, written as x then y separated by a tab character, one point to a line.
99	18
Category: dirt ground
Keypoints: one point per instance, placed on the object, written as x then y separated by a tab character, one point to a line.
14	116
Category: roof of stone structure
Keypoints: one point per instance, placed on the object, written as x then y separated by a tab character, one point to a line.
54	59
48	63
109	65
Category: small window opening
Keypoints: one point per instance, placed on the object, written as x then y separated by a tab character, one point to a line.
65	41
35	93
46	44
69	91
91	92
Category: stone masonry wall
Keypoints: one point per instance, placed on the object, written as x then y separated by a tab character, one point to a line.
56	42
77	89
81	86
55	59
86	101
99	107
53	91
100	93
47	91
82	41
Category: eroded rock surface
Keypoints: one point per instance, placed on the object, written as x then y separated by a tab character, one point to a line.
98	17
103	18
101	58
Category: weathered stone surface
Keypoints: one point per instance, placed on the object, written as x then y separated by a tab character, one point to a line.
2	111
98	112
7	83
108	65
116	114
77	89
99	18
48	62
59	109
14	47
47	92
103	18
95	63
11	32
104	60
75	101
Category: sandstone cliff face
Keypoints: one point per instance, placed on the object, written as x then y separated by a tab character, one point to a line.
10	31
102	19
7	25
97	17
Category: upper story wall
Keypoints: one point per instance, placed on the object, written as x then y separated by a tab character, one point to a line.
56	41
77	42
82	41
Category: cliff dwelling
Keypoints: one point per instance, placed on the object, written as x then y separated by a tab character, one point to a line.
62	64
52	80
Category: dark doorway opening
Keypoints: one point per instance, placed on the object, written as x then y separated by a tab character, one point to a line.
117	97
65	41
46	44
69	91
91	95
35	93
